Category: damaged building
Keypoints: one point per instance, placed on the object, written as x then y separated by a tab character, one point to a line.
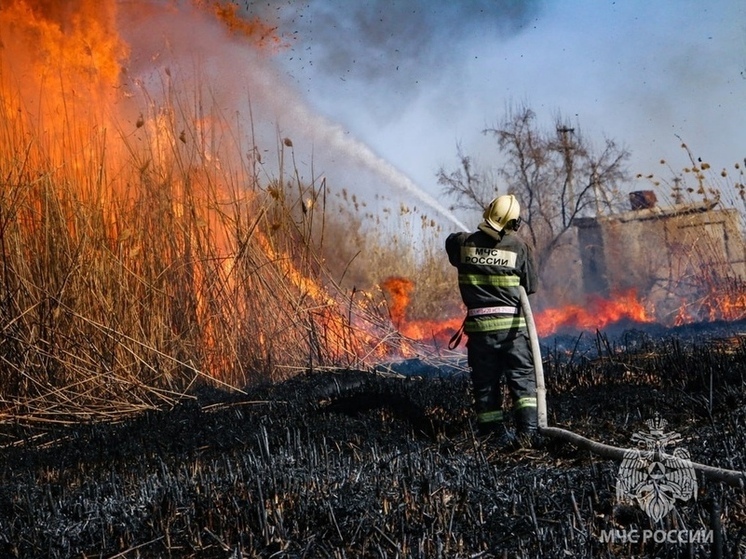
667	254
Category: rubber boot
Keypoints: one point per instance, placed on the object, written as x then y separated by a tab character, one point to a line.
527	428
486	429
496	434
505	440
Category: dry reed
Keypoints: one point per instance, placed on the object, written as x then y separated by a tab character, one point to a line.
134	265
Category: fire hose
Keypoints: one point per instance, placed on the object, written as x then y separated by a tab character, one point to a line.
732	477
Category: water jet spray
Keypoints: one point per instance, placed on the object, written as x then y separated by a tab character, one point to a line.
334	136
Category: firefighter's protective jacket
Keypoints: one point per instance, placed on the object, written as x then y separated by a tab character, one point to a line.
490	269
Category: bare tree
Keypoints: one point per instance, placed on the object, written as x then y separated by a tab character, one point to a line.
558	176
469	189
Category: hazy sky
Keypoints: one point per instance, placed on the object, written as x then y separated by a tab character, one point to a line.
412	79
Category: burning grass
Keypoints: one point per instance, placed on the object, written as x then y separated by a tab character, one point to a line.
355	464
140	251
144	246
133	265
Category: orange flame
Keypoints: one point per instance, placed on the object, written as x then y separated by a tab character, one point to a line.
399	289
66	56
77	37
262	35
437	332
720	302
63	78
596	314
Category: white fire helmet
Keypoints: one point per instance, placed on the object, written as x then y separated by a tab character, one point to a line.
501	211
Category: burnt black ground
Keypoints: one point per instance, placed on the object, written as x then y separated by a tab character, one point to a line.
356	464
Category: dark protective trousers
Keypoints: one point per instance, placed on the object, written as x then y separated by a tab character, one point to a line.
497	360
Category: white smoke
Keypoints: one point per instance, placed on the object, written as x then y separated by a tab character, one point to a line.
246	81
335	138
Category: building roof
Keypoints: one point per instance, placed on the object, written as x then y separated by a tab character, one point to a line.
655	212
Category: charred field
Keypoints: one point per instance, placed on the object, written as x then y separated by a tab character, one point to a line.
371	464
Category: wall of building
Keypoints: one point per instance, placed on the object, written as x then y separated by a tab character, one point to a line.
666	254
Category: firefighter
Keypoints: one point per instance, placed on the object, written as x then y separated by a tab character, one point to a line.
492	263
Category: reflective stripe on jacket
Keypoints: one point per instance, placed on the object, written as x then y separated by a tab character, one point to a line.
489	274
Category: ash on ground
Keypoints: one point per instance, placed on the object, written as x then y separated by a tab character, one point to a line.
382	464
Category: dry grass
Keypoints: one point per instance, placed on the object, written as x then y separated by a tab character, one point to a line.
392	240
135	265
